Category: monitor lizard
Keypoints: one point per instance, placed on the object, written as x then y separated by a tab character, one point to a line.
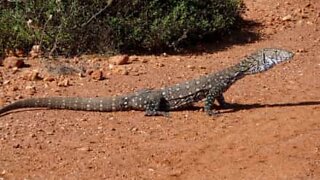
160	101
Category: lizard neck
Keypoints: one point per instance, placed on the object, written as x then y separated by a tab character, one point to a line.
234	73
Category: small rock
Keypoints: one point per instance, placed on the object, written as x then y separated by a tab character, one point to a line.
6	82
89	72
97	75
133	58
302	50
164	54
2	102
85	149
9	52
18	97
120	70
35	51
33	76
300	22
64	83
144	60
136	71
50	132
32	89
308	5
287	18
134	129
17	146
160	65
3	172
310	23
119	59
179	59
15	88
297	11
15	70
191	67
49	78
20	52
111	66
12	61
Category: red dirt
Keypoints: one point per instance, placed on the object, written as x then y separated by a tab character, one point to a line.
274	134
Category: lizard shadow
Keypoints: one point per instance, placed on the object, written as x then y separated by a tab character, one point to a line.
234	107
238	107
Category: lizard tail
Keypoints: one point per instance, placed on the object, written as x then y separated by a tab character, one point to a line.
116	103
265	59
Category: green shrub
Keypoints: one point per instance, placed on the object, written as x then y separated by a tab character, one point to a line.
72	27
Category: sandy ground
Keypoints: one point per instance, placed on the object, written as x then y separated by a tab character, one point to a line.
273	134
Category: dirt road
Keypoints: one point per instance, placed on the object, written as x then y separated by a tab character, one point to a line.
273	134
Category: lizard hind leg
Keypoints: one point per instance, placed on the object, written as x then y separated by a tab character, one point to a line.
208	105
157	105
209	102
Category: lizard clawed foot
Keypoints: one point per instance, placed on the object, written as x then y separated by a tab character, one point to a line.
212	113
156	113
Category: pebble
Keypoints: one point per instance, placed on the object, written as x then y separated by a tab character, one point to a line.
144	60
2	102
15	88
97	75
133	58
302	50
287	18
192	67
15	70
31	89
64	83
17	146
3	172
33	76
159	64
20	52
11	62
35	51
119	59
49	78
120	70
50	132
85	148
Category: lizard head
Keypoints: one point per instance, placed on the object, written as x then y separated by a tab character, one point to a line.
264	59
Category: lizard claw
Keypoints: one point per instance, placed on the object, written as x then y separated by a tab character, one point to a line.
212	113
156	113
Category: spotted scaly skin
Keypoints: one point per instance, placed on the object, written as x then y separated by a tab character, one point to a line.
160	101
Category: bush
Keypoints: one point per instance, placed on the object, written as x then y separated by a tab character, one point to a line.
72	27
